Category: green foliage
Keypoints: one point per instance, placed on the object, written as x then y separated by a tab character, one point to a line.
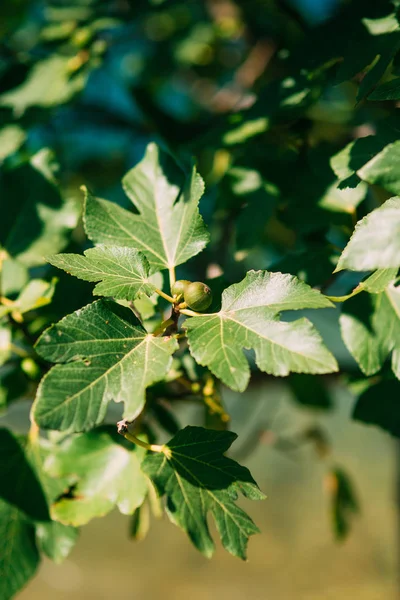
196	477
297	144
107	355
26	493
375	243
370	328
48	84
81	459
19	483
123	272
38	220
168	229
19	556
249	318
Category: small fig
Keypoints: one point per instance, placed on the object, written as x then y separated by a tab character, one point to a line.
198	296
178	288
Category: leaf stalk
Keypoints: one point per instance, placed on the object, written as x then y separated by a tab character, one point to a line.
191	313
165	296
160	330
356	291
152	447
172	276
123	429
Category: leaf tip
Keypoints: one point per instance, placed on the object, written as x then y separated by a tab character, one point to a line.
338	268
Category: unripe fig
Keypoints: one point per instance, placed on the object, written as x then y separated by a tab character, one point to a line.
178	288
198	296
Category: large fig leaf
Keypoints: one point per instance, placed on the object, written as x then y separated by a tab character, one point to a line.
197	478
249	318
168	228
107	355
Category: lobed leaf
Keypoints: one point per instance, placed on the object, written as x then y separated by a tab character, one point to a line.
108	356
168	229
196	479
123	272
249	318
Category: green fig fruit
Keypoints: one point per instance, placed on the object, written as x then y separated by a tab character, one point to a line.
198	296
178	288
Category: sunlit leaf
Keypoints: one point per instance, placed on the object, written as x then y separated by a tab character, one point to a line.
378	281
14	276
123	272
108	356
249	318
48	84
36	294
103	473
168	229
375	243
54	539
353	157
11	138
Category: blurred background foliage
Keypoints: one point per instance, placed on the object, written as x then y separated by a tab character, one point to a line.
261	94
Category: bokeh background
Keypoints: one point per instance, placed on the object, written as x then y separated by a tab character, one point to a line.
95	81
